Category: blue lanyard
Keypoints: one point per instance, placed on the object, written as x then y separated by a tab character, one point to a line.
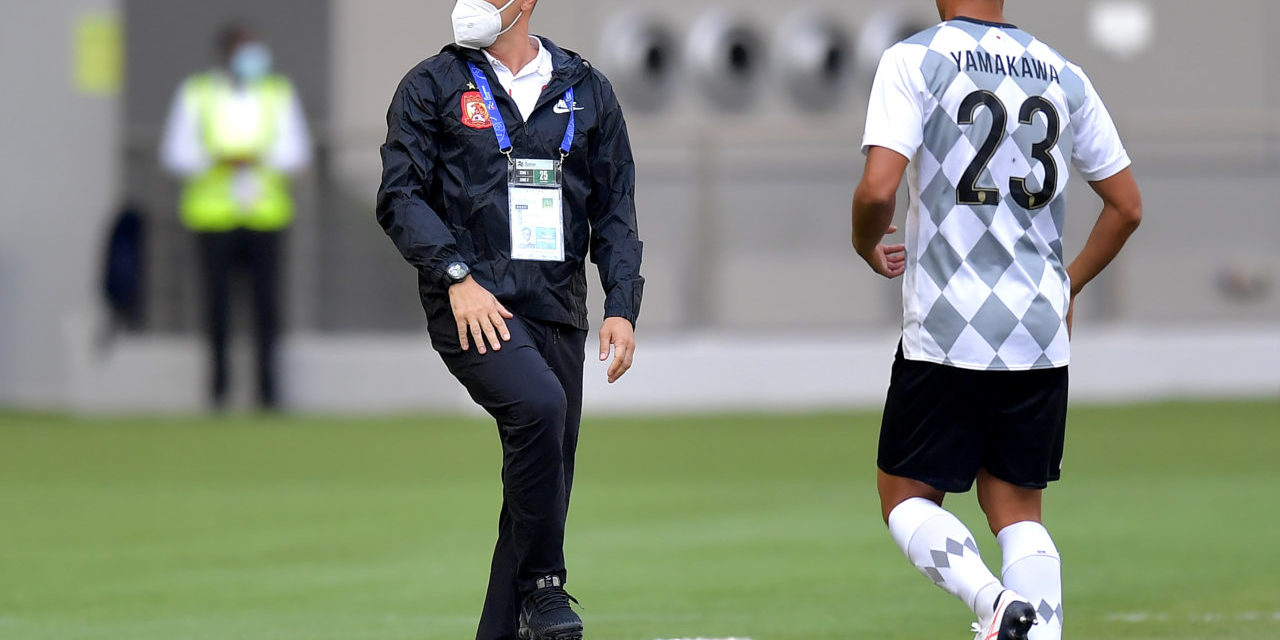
500	125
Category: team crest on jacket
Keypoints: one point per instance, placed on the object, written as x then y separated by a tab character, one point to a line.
474	112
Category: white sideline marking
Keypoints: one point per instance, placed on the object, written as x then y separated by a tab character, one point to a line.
1138	617
708	639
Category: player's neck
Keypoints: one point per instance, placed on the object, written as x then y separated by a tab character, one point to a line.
983	10
515	49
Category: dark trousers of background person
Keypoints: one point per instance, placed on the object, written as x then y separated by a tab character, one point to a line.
533	389
257	255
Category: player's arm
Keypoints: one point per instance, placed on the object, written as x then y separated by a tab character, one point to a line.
894	132
1120	217
1100	156
873	205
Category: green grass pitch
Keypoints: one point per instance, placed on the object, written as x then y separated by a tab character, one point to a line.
749	526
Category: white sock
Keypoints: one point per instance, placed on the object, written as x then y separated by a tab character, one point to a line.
941	547
1033	568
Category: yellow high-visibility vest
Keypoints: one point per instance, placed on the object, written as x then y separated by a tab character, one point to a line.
225	198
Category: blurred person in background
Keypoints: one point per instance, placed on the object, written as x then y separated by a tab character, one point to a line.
234	135
991	120
506	163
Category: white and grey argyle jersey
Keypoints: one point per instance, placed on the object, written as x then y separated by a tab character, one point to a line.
989	117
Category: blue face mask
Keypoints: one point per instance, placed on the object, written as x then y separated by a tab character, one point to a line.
251	62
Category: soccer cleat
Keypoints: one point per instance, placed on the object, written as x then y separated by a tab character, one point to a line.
1011	620
547	615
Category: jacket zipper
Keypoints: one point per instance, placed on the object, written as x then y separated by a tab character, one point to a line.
557	76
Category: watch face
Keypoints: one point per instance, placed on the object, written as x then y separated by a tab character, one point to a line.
458	271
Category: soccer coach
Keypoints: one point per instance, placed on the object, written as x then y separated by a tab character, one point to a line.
507	160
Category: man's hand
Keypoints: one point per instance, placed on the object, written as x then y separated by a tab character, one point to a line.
479	315
619	333
873	206
240	162
889	261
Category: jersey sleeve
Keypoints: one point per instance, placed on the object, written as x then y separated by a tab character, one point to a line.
1099	153
895	116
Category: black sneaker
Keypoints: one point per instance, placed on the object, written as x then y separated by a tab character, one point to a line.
547	615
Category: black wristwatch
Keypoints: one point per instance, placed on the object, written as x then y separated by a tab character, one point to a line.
457	272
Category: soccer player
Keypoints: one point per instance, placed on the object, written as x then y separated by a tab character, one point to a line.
988	118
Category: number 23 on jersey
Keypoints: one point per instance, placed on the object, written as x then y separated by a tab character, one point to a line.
968	192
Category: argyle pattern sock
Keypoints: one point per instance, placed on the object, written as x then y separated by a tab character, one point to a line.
1033	568
943	549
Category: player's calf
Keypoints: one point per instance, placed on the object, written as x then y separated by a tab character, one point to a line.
1033	568
943	549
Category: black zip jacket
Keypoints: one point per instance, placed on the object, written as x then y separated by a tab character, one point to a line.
444	190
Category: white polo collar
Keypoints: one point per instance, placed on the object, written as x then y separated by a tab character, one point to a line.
541	63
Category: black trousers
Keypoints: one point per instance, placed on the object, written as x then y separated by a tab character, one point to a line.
257	253
533	389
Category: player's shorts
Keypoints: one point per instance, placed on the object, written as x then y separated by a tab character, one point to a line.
942	424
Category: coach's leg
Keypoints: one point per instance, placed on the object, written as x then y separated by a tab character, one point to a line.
563	350
517	387
566	354
533	477
1032	566
501	612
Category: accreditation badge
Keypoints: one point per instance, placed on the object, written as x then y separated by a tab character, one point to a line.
537	210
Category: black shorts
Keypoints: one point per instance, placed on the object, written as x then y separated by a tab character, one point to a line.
942	424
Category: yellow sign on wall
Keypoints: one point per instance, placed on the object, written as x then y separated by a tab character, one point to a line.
99	54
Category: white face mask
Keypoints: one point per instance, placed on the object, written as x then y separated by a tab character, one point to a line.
477	24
